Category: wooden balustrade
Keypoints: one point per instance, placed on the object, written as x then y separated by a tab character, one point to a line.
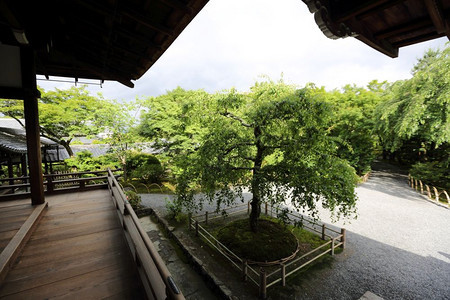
155	276
415	183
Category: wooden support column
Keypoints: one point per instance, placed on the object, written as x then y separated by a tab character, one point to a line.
10	170
30	105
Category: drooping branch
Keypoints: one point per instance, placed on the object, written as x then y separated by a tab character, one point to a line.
234	117
227	151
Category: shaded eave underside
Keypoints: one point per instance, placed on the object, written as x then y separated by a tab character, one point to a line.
382	24
102	39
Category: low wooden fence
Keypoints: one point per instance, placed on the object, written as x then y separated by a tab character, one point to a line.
437	195
274	272
155	276
55	183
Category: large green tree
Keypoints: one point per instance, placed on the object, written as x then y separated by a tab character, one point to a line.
273	142
65	114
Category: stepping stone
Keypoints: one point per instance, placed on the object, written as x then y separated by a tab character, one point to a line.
370	296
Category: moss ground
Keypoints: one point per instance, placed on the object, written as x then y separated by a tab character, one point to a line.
273	241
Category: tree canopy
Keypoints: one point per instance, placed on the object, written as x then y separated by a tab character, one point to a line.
65	114
273	141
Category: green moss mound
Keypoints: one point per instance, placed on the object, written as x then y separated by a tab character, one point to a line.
272	241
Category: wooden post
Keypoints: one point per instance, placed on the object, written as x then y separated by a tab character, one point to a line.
82	184
323	231
332	246
10	170
30	105
244	269
206	218
50	186
266	211
283	274
248	208
196	228
262	284
421	186
343	238
415	184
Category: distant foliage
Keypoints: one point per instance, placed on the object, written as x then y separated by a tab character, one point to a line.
414	124
84	161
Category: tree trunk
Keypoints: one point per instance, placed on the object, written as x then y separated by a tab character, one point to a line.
256	180
66	145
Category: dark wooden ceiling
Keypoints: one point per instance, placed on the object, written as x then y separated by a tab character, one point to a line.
96	39
382	24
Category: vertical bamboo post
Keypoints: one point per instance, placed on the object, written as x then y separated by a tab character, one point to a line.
266	208
429	192
248	208
421	186
415	184
343	238
206	218
323	231
196	228
262	284
332	246
244	269
283	274
436	194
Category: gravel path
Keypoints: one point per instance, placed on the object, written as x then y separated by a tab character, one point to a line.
397	248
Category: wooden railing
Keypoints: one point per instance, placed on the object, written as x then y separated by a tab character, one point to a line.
155	276
418	185
273	272
54	183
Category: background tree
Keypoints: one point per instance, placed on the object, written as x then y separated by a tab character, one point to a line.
415	122
65	114
273	142
353	122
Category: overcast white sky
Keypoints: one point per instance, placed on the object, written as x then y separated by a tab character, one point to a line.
230	43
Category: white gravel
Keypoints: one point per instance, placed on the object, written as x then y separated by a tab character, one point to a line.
397	248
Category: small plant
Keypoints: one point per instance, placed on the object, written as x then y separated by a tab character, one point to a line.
134	199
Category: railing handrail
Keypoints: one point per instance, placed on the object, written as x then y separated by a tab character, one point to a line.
125	208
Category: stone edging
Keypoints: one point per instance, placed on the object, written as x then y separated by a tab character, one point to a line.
211	280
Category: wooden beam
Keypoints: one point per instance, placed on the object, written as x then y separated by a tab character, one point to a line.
378	9
404	28
178	5
418	39
145	21
342	16
436	13
32	127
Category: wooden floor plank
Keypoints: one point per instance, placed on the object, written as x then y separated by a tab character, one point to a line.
78	251
66	287
92	226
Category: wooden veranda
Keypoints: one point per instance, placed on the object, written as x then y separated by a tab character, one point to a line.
84	242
